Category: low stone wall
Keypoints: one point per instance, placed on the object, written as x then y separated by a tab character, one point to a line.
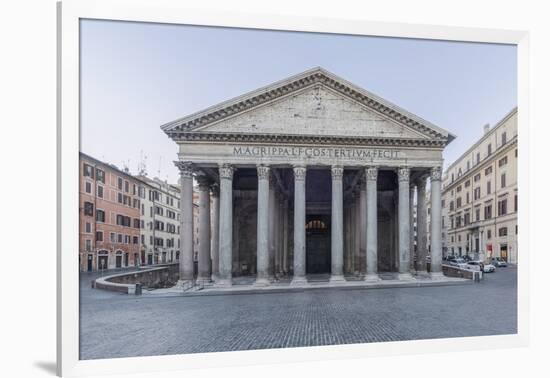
454	271
133	282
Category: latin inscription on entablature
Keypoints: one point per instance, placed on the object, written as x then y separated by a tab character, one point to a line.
216	153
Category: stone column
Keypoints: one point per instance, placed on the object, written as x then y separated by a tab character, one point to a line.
262	246
358	232
285	236
421	226
271	226
215	236
362	258
337	227
412	267
403	174
372	224
204	273
435	223
186	271
226	225
299	226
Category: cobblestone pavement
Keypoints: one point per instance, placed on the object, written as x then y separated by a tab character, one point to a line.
119	325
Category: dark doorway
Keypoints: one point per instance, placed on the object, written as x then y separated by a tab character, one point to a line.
149	259
118	261
126	259
103	262
90	262
317	243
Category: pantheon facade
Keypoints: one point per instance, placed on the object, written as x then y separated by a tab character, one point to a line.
308	176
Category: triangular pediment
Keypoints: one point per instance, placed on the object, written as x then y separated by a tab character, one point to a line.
316	110
314	103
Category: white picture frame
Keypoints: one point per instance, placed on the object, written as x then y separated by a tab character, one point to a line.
69	14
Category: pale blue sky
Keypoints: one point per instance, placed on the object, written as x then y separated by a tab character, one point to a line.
138	76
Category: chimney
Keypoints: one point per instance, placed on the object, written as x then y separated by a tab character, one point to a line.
486	128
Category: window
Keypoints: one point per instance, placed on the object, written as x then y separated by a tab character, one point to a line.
488	170
135	240
478	157
119	183
142	239
88	186
477	193
88	170
459	188
122	220
466	219
458	202
100	175
88	245
126	186
467	184
468	197
503	138
503	161
503	180
477	177
478	214
516	203
119	238
88	227
468	165
99	236
516	152
119	198
489	149
88	208
503	231
502	207
100	191
488	187
488	211
451	205
136	223
100	215
134	189
113	237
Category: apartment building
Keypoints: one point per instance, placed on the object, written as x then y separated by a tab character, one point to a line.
109	221
160	221
480	199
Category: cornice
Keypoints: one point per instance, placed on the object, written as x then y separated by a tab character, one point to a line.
306	139
310	78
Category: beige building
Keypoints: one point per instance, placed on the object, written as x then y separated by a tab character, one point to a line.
160	217
480	196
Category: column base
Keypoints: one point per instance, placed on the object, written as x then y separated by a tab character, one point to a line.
183	283
337	278
223	282
405	276
262	282
372	277
437	275
297	281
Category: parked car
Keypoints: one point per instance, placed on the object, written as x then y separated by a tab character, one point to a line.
485	268
467	258
457	261
498	262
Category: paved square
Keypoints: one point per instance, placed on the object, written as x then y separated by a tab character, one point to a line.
118	325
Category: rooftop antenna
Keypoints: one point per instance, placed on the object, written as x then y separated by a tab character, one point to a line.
142	165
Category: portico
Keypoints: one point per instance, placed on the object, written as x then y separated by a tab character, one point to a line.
309	176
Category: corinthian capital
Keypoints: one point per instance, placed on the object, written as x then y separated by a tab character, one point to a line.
185	167
403	173
263	172
337	172
435	174
226	171
371	173
300	173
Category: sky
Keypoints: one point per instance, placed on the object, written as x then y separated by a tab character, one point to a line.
137	76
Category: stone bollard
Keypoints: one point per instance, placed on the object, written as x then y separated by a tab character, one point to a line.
138	289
